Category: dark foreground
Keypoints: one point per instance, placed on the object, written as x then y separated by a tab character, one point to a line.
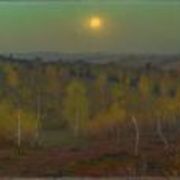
98	159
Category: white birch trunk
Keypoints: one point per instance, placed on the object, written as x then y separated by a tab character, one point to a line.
137	136
76	129
38	120
161	134
19	138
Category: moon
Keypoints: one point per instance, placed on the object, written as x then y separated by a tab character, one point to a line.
95	23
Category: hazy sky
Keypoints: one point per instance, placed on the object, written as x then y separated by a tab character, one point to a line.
128	26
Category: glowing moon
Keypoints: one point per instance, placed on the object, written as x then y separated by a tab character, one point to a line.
95	23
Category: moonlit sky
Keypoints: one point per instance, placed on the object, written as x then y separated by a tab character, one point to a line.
130	26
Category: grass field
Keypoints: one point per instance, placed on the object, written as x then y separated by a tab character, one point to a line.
98	157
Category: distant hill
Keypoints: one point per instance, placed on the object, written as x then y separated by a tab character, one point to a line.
165	61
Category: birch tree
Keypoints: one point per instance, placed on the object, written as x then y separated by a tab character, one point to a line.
76	106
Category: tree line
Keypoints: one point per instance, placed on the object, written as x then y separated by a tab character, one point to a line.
86	99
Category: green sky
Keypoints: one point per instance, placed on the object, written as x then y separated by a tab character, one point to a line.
129	26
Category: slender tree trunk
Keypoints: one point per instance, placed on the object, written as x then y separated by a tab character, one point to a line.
19	133
38	121
117	134
76	126
161	134
137	135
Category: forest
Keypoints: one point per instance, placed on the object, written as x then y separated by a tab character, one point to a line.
88	119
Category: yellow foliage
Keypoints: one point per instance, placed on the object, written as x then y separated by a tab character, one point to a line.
76	105
101	93
11	76
52	83
166	107
28	122
145	86
9	118
114	116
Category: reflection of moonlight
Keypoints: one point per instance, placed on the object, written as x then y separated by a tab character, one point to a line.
95	23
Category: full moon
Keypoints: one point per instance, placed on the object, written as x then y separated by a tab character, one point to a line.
95	23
